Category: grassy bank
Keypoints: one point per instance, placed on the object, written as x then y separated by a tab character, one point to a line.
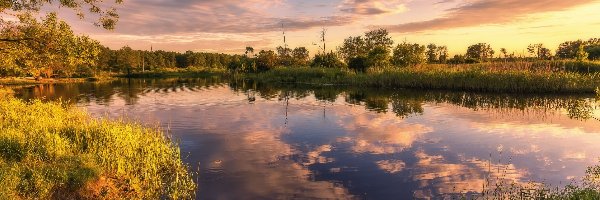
178	73
52	151
513	81
23	81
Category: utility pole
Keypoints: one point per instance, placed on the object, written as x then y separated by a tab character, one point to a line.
284	41
323	32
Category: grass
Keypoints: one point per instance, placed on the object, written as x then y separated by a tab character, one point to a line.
478	80
179	73
53	151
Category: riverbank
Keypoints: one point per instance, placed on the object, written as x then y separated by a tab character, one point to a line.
178	73
29	81
53	151
476	80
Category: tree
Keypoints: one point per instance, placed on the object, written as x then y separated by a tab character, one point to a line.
568	49
504	52
359	63
266	60
593	51
327	60
51	46
300	55
107	16
432	56
284	56
581	54
249	50
480	52
353	47
406	55
379	37
539	51
442	52
127	59
379	57
437	54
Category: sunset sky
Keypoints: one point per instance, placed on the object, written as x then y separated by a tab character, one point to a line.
229	26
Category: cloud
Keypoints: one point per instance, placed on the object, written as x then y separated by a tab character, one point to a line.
373	7
481	12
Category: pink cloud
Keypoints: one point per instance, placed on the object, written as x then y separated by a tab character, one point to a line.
487	12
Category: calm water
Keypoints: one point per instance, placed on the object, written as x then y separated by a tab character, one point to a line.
256	141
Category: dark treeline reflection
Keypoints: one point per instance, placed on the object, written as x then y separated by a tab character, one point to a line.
402	102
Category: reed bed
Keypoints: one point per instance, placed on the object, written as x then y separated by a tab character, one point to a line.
472	79
49	150
180	73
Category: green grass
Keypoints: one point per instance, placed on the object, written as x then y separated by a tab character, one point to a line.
512	81
53	151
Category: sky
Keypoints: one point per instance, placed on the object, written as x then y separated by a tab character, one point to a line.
228	26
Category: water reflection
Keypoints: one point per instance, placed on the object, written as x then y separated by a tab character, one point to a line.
264	141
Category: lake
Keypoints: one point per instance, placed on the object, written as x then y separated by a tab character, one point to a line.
250	140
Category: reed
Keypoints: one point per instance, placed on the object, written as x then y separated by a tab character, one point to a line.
49	150
437	77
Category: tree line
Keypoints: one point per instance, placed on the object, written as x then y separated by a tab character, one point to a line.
49	48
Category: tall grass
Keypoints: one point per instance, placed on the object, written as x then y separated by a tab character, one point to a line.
514	81
190	72
52	151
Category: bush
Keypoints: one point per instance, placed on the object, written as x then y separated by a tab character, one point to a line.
328	60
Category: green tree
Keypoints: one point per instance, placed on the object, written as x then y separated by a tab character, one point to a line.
284	56
300	55
127	59
379	58
50	46
432	53
437	54
406	55
327	60
266	60
107	16
480	52
378	38
353	47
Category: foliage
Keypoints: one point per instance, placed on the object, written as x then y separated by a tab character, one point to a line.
581	54
437	54
266	60
379	58
539	51
107	16
51	47
353	47
440	77
52	151
327	60
358	64
300	56
593	51
407	55
284	56
378	38
479	52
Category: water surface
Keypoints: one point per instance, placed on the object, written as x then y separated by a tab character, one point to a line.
259	141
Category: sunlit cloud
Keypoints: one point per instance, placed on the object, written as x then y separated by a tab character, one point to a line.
481	12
